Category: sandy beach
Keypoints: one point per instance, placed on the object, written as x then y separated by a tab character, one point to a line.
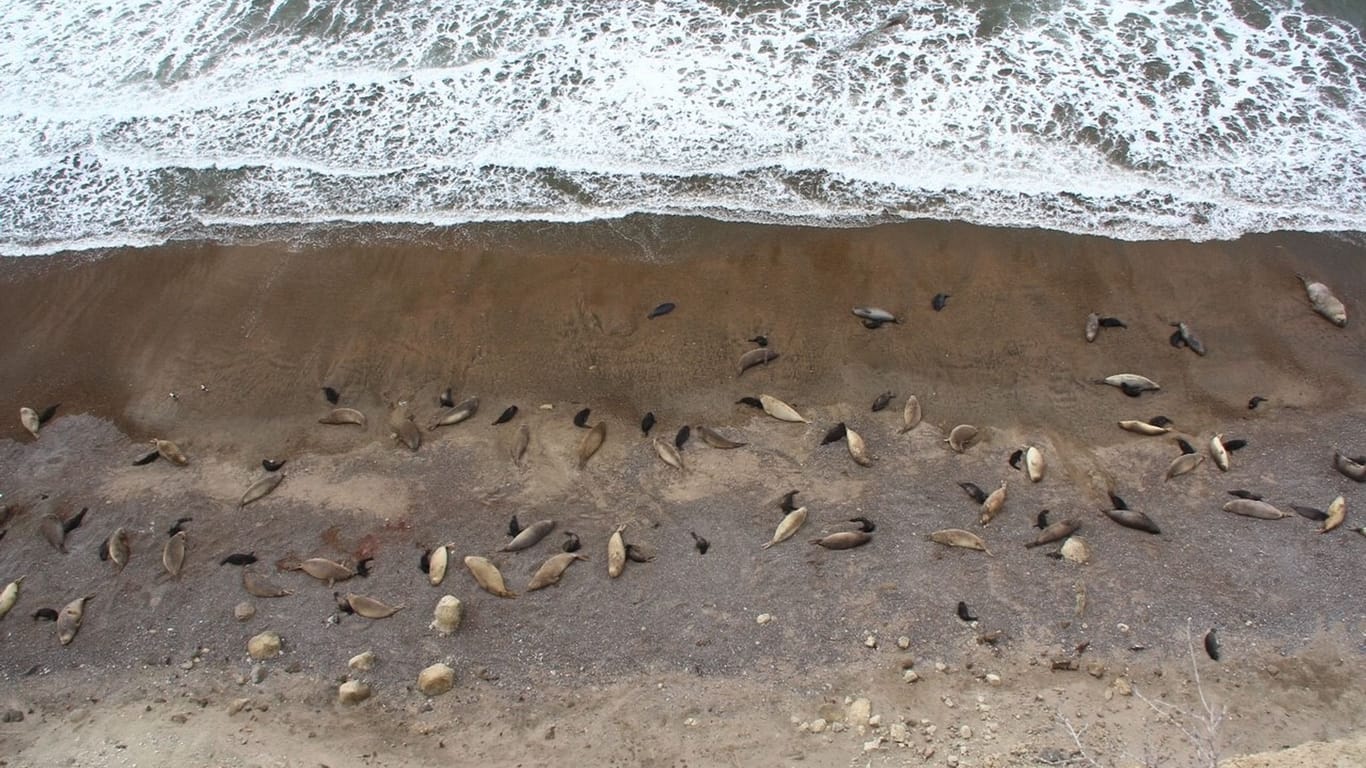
669	664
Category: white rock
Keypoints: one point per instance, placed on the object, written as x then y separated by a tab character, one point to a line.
763	618
436	679
940	666
903	642
870	641
965	732
447	615
266	645
353	692
875	721
838	727
818	725
859	712
869	746
948	702
993	679
909	676
243	611
362	662
898	733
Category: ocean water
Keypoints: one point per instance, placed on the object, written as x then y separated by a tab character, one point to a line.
145	121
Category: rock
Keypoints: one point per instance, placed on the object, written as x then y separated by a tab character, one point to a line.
838	727
258	673
909	676
870	641
965	732
875	721
1122	687
243	611
993	679
237	705
295	667
763	618
859	712
264	646
362	662
869	746
1076	550
447	615
818	725
436	679
187	665
12	716
1095	669
898	733
353	692
940	666
948	702
550	733
903	642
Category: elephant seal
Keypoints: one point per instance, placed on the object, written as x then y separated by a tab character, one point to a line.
29	418
1219	452
1059	530
1258	509
458	413
170	452
69	620
843	540
520	444
1337	513
1324	302
993	505
343	416
1350	467
858	450
668	454
616	552
780	410
1134	519
529	536
957	537
370	608
1183	464
551	570
261	488
487	576
592	442
875	315
716	440
759	356
910	415
791	523
960	437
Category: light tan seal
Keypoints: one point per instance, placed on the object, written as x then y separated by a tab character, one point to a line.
760	356
462	410
843	540
792	522
10	596
343	416
170	452
1132	382
716	439
371	608
993	505
1337	514
1218	452
173	554
326	570
780	410
668	454
529	536
1183	464
261	488
69	620
119	549
961	436
592	442
520	444
1059	530
1142	428
487	576
552	569
957	537
1258	509
29	418
258	586
616	552
858	450
437	560
911	415
1034	465
1324	302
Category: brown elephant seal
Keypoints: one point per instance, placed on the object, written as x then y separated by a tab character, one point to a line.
170	452
1258	509
551	570
487	576
592	442
173	554
529	536
259	586
1350	467
961	436
717	440
760	356
1054	532
463	410
791	523
1183	464
69	620
1337	514
995	502
668	454
957	537
843	540
343	416
261	488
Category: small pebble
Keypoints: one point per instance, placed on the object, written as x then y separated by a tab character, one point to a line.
903	642
870	641
764	618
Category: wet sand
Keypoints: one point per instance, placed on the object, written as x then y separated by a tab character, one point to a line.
556	316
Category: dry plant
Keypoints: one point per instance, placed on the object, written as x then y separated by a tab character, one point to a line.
1201	729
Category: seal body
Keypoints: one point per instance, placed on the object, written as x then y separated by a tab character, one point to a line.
437	561
1183	464
173	554
792	522
259	586
1324	302
1134	519
520	444
1218	452
616	552
961	436
667	453
29	418
551	570
463	410
326	570
529	535
957	537
1092	327
1034	466
716	440
843	540
1131	381
170	452
592	442
343	416
69	620
858	450
1258	509
760	356
487	576
1349	467
9	596
780	410
261	488
1054	532
1337	513
1143	428
370	608
875	314
993	505
911	414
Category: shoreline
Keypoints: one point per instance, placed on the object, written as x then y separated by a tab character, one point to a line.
558	318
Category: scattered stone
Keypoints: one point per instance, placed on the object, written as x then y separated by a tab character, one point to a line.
869	746
1122	687
870	641
264	646
903	642
909	676
690	722
1095	669
859	712
237	705
258	673
295	667
1065	665
818	725
965	732
447	615
838	727
993	679
764	618
907	662
875	721
550	733
12	716
899	733
187	665
353	692
927	753
940	666
243	611
362	662
948	702
179	719
436	679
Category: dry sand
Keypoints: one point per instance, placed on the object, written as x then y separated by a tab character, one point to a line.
668	665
